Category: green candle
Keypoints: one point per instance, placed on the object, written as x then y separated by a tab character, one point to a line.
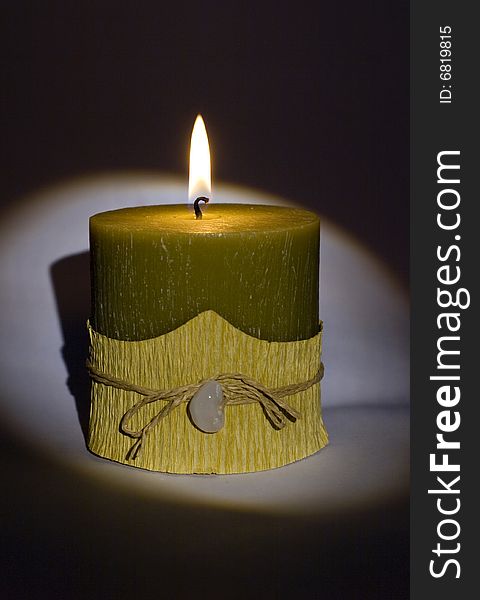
156	267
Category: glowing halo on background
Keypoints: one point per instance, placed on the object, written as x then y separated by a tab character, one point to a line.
364	393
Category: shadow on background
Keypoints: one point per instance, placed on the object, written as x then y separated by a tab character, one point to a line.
70	278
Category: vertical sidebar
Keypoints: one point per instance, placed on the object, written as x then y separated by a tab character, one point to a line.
444	275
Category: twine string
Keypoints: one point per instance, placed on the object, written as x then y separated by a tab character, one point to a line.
237	390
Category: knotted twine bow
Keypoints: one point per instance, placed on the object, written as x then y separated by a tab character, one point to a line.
237	389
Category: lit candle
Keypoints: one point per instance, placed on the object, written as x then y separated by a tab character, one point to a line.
156	267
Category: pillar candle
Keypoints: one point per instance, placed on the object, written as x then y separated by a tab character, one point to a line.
156	267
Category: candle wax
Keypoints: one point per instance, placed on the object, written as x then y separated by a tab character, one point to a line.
156	267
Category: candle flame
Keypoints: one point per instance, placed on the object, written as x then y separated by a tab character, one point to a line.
200	178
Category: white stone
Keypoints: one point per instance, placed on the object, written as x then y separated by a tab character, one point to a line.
207	407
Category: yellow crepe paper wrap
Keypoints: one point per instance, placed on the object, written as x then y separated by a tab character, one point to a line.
201	349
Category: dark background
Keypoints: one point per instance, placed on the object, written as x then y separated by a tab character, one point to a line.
308	101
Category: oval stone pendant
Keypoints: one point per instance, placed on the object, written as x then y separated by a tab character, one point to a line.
207	406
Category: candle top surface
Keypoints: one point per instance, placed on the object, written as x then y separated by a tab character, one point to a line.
217	218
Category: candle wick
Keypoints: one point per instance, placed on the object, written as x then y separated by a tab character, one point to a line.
196	207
